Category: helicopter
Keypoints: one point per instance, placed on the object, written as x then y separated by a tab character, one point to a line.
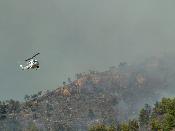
32	63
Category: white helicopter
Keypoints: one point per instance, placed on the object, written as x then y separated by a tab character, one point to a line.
32	63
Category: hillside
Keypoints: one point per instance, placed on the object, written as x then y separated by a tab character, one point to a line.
114	95
160	117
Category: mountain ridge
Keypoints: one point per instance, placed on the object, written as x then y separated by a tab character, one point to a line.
110	96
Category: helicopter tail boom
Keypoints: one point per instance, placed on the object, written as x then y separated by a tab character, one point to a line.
24	68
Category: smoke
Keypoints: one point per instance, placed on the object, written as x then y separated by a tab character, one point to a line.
75	36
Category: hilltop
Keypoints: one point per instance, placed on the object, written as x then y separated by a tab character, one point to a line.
114	95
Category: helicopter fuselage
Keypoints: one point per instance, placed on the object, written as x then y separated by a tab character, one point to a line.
32	64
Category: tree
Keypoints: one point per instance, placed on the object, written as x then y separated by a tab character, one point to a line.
64	83
26	97
163	116
91	114
13	106
32	127
133	125
3	111
78	76
155	124
13	125
168	122
102	127
69	80
124	127
145	115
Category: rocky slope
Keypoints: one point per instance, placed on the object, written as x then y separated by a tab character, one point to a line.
94	97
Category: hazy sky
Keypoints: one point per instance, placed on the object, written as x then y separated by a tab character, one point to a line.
78	35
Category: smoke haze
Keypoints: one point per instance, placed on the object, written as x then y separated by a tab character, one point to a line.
75	36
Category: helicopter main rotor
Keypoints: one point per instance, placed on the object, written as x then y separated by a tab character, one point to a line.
32	57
